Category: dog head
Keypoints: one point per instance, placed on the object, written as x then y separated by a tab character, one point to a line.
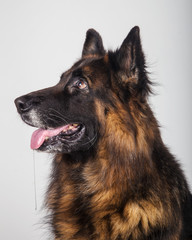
71	115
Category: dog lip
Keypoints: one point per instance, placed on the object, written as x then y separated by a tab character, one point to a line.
41	135
56	143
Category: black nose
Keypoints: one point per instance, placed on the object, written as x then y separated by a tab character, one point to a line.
24	104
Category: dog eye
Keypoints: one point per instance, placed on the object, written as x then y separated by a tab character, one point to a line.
81	84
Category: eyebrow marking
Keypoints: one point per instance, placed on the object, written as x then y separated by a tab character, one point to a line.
79	69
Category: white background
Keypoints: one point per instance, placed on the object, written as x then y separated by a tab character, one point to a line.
41	39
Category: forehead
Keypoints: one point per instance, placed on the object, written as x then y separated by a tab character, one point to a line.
88	67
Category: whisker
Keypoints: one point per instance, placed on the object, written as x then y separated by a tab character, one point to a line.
57	112
56	116
50	118
93	140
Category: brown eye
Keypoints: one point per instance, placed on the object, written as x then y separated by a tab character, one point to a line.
81	84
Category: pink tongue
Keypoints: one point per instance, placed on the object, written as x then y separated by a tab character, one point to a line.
39	136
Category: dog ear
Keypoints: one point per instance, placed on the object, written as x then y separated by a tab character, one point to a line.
131	62
93	44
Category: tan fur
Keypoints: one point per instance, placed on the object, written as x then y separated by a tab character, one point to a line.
106	179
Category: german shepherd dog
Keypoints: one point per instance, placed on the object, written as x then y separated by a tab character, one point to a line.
113	178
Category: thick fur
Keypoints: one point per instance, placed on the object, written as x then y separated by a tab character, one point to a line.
119	182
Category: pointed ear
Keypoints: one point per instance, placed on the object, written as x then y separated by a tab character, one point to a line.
130	55
93	44
131	63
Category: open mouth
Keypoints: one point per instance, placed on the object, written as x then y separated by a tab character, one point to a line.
68	133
